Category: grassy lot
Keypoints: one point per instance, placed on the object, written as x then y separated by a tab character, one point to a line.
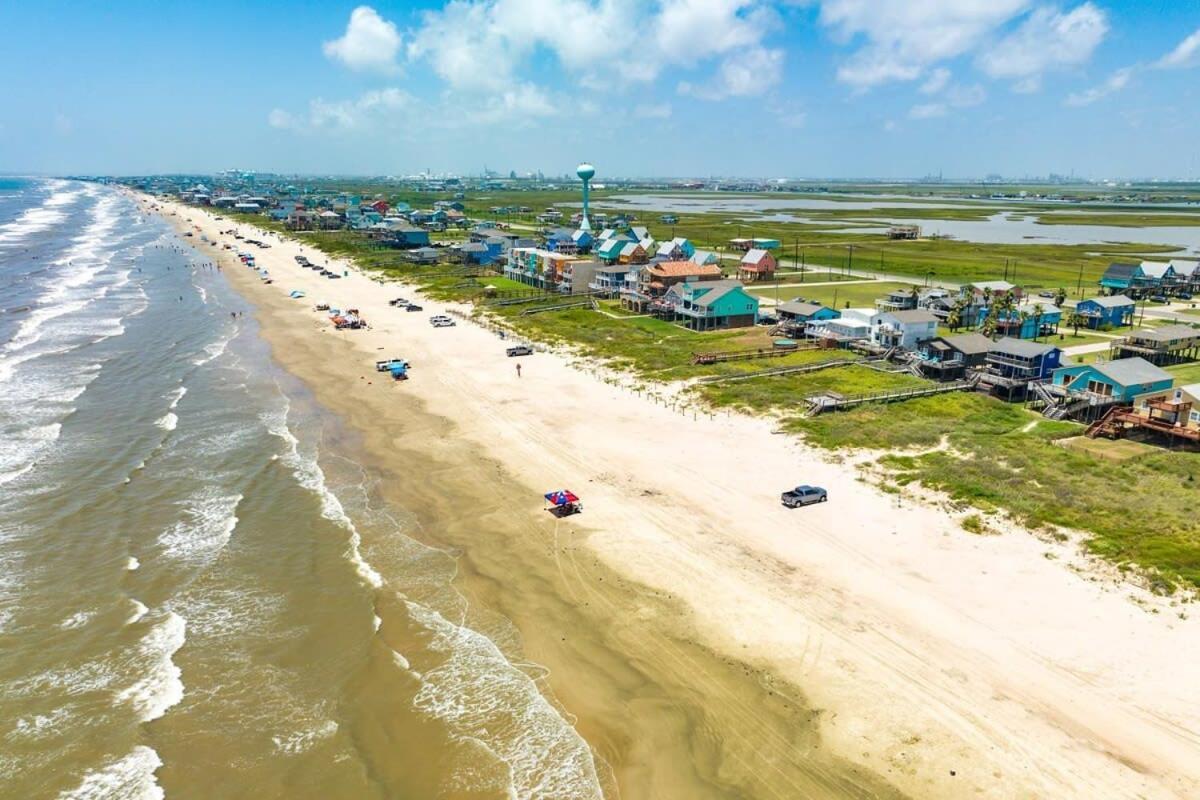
785	393
814	276
993	463
854	295
1185	373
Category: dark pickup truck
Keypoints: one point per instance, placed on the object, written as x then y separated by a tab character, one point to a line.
804	496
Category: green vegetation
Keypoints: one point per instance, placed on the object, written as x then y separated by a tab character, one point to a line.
852	295
995	462
785	393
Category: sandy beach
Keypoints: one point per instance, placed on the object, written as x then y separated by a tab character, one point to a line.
707	641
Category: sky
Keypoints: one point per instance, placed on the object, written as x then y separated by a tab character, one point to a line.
1103	89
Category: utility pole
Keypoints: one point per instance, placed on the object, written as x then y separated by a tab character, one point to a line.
1079	283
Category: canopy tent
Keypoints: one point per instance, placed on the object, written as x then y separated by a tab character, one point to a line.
562	497
296	293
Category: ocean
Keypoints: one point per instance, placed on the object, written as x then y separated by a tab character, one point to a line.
194	567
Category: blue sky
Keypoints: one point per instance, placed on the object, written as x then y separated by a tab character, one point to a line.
769	88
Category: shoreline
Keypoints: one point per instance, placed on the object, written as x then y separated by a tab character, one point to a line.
947	664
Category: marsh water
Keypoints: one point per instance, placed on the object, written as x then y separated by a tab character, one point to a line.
1003	227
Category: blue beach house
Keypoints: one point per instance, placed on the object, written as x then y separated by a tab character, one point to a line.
1122	380
1011	365
1124	278
800	312
1114	311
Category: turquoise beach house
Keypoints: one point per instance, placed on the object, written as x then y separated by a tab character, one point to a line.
1122	380
709	305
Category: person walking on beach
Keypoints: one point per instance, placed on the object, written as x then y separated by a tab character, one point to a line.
518	370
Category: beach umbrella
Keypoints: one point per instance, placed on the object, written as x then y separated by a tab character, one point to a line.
562	497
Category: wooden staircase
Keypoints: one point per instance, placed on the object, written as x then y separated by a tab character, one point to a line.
1108	426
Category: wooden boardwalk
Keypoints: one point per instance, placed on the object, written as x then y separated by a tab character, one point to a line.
831	401
767	373
752	355
588	303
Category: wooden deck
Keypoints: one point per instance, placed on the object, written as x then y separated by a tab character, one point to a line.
1122	419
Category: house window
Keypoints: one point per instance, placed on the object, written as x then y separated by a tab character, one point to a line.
1097	387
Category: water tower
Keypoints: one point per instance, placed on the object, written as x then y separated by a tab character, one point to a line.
586	172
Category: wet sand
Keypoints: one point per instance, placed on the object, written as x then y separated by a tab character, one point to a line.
677	624
669	718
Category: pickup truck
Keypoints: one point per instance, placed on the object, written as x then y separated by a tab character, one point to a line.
441	321
388	363
803	496
519	350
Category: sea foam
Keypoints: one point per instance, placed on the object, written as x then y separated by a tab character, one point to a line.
130	777
161	685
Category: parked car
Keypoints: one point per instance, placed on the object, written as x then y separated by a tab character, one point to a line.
332	275
1160	298
441	321
413	307
387	363
1046	293
399	301
1184	295
519	350
803	496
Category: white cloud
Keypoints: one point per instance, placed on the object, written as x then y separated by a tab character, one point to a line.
936	81
370	109
477	45
1185	54
927	111
1047	39
1115	83
278	118
902	38
955	96
370	43
655	111
516	104
789	114
743	74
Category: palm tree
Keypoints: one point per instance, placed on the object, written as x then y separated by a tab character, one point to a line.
1038	311
1060	297
988	328
1076	320
954	318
